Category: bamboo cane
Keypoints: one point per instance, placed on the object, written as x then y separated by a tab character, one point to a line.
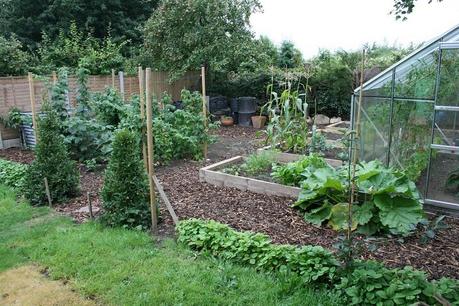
32	104
204	108
354	153
142	115
154	217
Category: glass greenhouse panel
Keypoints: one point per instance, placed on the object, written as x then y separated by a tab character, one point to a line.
374	127
446	131
444	177
448	94
411	136
380	88
416	78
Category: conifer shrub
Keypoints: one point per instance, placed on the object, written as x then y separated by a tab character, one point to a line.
125	193
51	161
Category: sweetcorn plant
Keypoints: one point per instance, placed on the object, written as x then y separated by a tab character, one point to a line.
387	200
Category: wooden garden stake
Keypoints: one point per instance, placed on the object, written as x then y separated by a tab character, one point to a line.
88	196
354	153
154	217
48	194
204	108
142	115
163	196
32	104
54	78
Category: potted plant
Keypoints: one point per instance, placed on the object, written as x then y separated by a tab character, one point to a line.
258	121
226	120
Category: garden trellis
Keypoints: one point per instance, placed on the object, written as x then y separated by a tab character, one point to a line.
409	118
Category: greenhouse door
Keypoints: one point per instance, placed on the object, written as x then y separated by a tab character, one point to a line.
442	184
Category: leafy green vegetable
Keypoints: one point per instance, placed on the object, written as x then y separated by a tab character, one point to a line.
293	173
386	200
12	174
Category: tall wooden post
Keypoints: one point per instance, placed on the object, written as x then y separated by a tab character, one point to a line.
142	116
54	78
113	78
154	217
204	108
32	104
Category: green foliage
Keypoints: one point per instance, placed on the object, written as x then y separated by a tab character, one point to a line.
313	263
370	283
295	172
402	8
259	162
362	283
318	143
125	190
52	162
108	107
74	48
387	199
12	174
287	128
88	139
184	35
289	56
13	60
15	119
28	19
178	133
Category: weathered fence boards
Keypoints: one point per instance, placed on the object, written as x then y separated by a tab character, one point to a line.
14	91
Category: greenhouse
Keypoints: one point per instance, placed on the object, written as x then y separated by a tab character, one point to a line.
409	119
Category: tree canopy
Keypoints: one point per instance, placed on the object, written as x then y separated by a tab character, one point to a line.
402	8
183	35
28	19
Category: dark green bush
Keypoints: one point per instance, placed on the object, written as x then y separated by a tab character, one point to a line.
125	191
313	263
108	107
12	174
52	162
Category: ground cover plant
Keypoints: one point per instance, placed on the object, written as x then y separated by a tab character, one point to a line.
365	282
125	267
12	174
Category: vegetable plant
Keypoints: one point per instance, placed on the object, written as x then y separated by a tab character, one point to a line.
387	200
12	174
295	172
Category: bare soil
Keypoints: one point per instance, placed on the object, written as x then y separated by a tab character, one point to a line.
271	215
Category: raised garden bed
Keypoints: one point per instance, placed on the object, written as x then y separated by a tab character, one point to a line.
213	175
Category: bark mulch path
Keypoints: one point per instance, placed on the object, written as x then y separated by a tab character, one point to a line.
269	214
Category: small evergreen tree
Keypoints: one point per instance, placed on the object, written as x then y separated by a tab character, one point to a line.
125	192
52	162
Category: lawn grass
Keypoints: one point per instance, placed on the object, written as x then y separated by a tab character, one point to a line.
125	267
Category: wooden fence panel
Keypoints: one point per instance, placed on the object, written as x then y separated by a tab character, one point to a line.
14	91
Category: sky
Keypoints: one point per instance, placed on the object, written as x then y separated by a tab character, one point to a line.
349	24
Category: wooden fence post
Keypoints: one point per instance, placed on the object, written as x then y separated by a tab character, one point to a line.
54	78
121	78
204	108
154	217
142	115
113	78
32	104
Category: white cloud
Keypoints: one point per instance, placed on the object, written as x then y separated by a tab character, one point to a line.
348	24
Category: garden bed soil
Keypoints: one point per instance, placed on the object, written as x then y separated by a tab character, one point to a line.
273	215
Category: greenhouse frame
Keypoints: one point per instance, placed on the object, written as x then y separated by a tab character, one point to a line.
409	119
